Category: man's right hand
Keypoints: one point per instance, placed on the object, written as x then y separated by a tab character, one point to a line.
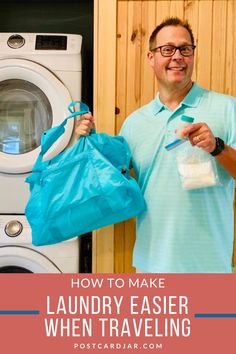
83	125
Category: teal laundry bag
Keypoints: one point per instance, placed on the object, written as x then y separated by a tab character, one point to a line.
85	187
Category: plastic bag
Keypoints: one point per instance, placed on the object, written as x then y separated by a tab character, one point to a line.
197	168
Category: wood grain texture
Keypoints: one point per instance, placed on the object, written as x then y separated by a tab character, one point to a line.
214	27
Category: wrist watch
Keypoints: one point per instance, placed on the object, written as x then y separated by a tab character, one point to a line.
220	145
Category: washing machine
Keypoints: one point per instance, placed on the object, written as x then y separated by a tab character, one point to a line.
40	74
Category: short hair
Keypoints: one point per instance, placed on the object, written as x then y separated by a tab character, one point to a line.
170	21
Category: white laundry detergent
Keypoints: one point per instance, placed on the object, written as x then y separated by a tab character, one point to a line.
196	169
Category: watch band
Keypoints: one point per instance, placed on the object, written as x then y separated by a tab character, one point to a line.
220	145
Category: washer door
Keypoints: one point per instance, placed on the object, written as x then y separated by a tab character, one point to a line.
32	99
17	259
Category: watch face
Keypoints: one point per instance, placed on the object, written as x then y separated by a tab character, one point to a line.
220	145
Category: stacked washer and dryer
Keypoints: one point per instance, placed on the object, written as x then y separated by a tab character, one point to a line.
40	74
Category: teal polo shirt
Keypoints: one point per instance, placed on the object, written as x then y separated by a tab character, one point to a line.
181	231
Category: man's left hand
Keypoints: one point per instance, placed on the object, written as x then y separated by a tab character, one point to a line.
200	135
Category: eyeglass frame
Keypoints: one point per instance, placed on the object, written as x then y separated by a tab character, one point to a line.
175	48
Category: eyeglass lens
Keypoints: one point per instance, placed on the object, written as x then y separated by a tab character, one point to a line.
169	50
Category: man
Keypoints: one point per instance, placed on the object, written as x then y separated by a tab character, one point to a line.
182	230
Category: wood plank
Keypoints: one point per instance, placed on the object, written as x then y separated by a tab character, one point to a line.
104	110
121	83
103	258
133	55
204	51
130	235
162	12
95	93
229	57
147	75
133	99
219	48
191	12
121	63
177	8
119	248
105	66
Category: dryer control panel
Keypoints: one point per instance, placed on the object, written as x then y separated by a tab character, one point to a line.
14	229
16	41
31	45
51	42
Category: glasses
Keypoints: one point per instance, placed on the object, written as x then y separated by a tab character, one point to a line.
169	50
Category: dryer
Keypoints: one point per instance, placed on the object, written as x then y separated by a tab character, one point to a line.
18	255
40	74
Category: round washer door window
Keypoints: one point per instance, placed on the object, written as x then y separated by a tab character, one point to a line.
32	99
25	113
17	257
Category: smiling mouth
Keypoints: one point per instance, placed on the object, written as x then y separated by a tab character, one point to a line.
176	68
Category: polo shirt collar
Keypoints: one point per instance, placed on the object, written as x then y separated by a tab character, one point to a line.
193	97
191	100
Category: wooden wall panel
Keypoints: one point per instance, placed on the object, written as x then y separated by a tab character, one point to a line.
133	59
177	8
214	28
191	13
229	56
133	100
121	93
162	11
230	82
121	64
204	44
219	30
147	77
104	110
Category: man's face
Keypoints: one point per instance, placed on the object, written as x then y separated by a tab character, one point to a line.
174	71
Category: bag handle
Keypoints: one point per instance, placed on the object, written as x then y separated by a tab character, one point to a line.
50	136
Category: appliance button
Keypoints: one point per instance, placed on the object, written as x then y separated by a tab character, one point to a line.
13	228
16	41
